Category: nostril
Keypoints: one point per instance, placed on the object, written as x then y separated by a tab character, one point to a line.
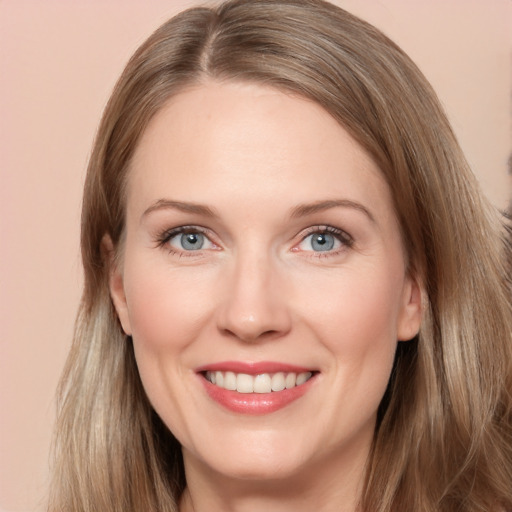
254	336
254	322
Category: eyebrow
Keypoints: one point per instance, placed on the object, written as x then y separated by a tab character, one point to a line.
168	204
320	206
301	210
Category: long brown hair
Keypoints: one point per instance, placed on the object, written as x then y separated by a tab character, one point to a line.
443	440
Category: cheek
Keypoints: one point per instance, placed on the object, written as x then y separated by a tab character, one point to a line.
359	308
168	311
166	308
356	318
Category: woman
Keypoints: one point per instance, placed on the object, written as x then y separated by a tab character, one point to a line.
295	294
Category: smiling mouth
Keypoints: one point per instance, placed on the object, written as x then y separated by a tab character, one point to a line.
261	383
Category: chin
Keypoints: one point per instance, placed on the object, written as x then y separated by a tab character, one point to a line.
255	457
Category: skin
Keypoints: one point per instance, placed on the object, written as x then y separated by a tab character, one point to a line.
259	290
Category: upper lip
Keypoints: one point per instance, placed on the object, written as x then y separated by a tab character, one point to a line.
252	368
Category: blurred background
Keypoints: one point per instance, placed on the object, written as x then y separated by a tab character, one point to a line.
59	60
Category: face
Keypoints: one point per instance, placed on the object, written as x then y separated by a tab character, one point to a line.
263	282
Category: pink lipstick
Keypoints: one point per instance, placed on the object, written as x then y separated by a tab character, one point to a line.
255	387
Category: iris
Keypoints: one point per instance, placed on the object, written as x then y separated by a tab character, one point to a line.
322	242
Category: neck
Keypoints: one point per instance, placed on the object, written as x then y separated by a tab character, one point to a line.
319	487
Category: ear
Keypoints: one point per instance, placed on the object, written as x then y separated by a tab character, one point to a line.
116	284
409	319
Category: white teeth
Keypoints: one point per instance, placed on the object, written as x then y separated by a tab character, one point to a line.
263	383
230	381
278	382
303	377
290	380
244	383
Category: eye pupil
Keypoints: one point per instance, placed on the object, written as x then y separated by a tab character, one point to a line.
192	241
322	242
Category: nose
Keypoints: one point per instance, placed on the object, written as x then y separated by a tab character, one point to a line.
254	306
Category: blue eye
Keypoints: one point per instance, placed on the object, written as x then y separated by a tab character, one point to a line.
322	241
186	240
191	241
325	239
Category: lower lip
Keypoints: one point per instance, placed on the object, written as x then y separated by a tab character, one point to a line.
255	403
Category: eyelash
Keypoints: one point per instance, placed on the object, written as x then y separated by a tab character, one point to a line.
164	238
342	236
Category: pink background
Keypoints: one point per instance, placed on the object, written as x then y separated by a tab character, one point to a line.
58	62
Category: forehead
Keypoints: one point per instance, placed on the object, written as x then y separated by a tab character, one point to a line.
217	140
